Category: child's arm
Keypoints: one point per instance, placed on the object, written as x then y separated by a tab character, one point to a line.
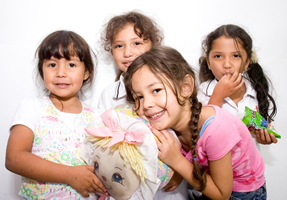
226	86
219	182
20	160
174	182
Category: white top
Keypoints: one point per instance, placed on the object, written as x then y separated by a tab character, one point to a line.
57	138
113	95
30	110
249	99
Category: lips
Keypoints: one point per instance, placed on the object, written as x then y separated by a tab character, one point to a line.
62	85
226	73
156	116
128	63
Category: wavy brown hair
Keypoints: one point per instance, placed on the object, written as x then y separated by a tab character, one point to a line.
255	74
167	63
144	27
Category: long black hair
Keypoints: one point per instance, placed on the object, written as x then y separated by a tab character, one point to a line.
255	74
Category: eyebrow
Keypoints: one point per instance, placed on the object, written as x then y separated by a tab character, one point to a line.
119	168
154	83
135	38
231	52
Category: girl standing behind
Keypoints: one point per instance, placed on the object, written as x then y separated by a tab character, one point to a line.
46	133
218	162
126	37
232	78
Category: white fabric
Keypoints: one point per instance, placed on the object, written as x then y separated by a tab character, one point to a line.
150	152
29	112
113	95
148	149
249	99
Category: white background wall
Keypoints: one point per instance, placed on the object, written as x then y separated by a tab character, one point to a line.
23	25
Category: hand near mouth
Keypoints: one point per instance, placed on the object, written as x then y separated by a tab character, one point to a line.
226	86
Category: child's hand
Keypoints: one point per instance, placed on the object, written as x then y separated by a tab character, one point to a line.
173	183
83	179
228	84
168	146
263	137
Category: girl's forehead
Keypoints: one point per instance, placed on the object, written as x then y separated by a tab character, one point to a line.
227	43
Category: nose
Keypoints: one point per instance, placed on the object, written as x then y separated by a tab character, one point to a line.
128	52
61	71
104	178
147	103
227	63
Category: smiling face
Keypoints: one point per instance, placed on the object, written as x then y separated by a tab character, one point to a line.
119	178
127	46
64	78
157	101
227	56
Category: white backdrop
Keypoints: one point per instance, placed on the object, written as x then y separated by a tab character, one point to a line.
23	25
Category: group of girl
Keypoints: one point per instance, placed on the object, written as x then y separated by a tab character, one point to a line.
217	155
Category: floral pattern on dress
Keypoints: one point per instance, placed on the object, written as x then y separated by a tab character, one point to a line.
56	141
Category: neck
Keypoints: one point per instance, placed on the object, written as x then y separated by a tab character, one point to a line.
181	128
68	105
238	95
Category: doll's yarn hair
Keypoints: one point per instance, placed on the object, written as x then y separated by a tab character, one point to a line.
130	153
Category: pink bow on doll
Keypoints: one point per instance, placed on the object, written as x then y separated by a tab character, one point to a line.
113	130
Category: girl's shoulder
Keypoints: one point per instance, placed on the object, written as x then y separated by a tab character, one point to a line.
206	112
34	102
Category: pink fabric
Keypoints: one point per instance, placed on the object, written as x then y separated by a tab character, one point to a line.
113	130
227	133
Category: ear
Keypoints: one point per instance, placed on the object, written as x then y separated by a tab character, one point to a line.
187	86
86	75
246	64
208	64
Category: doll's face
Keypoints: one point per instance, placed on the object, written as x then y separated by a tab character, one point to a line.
119	179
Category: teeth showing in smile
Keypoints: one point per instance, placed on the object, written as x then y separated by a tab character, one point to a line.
157	114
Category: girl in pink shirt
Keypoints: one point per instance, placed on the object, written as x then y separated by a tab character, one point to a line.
221	159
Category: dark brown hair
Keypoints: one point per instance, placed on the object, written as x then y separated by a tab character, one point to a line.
255	74
64	44
168	63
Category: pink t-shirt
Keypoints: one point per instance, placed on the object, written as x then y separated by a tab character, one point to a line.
228	133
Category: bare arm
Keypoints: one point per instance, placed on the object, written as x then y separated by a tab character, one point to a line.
20	160
219	182
225	87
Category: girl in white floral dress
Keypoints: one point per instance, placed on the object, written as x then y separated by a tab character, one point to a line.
46	133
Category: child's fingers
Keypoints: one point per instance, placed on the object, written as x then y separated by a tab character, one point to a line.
91	168
98	186
273	138
158	134
84	193
263	137
239	85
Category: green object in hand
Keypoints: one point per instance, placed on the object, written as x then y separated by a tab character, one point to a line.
253	120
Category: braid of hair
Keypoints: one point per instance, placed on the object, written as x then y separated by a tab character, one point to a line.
199	173
260	83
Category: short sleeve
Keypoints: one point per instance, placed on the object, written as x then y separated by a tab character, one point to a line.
220	136
28	113
103	101
201	95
